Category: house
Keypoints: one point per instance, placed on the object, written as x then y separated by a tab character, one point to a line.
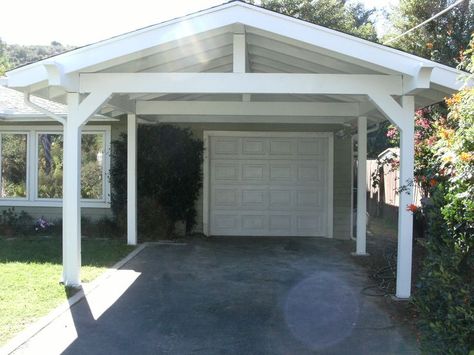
268	94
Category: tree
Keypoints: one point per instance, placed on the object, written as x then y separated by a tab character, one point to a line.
443	39
21	55
4	64
338	15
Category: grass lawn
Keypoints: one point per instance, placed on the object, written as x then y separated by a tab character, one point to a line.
30	270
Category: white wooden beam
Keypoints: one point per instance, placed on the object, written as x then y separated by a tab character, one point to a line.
57	77
252	119
320	109
403	116
132	179
239	53
422	80
71	196
405	218
361	186
78	114
277	83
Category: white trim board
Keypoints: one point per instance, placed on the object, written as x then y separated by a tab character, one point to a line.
207	134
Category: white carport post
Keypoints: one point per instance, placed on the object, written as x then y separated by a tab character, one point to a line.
403	116
132	179
361	186
78	114
405	217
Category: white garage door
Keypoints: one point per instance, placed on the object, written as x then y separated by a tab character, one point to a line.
270	184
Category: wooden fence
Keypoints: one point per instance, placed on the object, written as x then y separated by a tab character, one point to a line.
383	199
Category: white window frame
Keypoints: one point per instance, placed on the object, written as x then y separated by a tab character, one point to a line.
32	199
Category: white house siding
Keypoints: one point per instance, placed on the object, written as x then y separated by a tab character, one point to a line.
342	171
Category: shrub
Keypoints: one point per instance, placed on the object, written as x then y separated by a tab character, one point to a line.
445	291
169	177
15	224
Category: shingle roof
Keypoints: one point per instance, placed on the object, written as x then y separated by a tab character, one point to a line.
12	103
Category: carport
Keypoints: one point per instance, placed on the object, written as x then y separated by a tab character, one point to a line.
238	64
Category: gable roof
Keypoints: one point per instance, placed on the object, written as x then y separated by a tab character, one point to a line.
202	42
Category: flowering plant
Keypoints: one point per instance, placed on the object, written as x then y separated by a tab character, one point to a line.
42	224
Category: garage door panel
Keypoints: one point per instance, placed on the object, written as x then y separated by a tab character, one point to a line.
309	199
226	171
227	223
266	186
310	223
255	147
254	223
255	171
281	224
312	147
226	197
281	172
280	198
282	147
254	198
226	146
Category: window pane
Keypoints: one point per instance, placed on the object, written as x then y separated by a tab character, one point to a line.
14	148
50	165
92	166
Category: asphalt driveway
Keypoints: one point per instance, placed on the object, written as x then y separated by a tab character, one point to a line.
234	296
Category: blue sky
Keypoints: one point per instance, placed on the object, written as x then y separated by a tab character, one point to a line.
88	21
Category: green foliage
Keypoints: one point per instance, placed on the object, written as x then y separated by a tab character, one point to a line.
13	172
169	178
15	224
445	295
19	55
4	63
352	18
443	39
92	151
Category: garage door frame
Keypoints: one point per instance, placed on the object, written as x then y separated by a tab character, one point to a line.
207	134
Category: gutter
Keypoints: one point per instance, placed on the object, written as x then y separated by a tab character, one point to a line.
36	107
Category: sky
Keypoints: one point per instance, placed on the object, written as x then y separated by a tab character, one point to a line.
88	21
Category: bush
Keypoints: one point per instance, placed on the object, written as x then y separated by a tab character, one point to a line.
14	224
169	178
445	291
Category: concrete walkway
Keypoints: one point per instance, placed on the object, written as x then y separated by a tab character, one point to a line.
230	296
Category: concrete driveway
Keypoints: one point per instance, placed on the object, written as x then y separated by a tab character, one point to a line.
231	296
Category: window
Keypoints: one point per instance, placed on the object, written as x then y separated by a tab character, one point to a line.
32	166
13	149
92	166
50	165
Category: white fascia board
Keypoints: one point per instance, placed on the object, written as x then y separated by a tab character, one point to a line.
249	119
237	83
33	117
289	109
